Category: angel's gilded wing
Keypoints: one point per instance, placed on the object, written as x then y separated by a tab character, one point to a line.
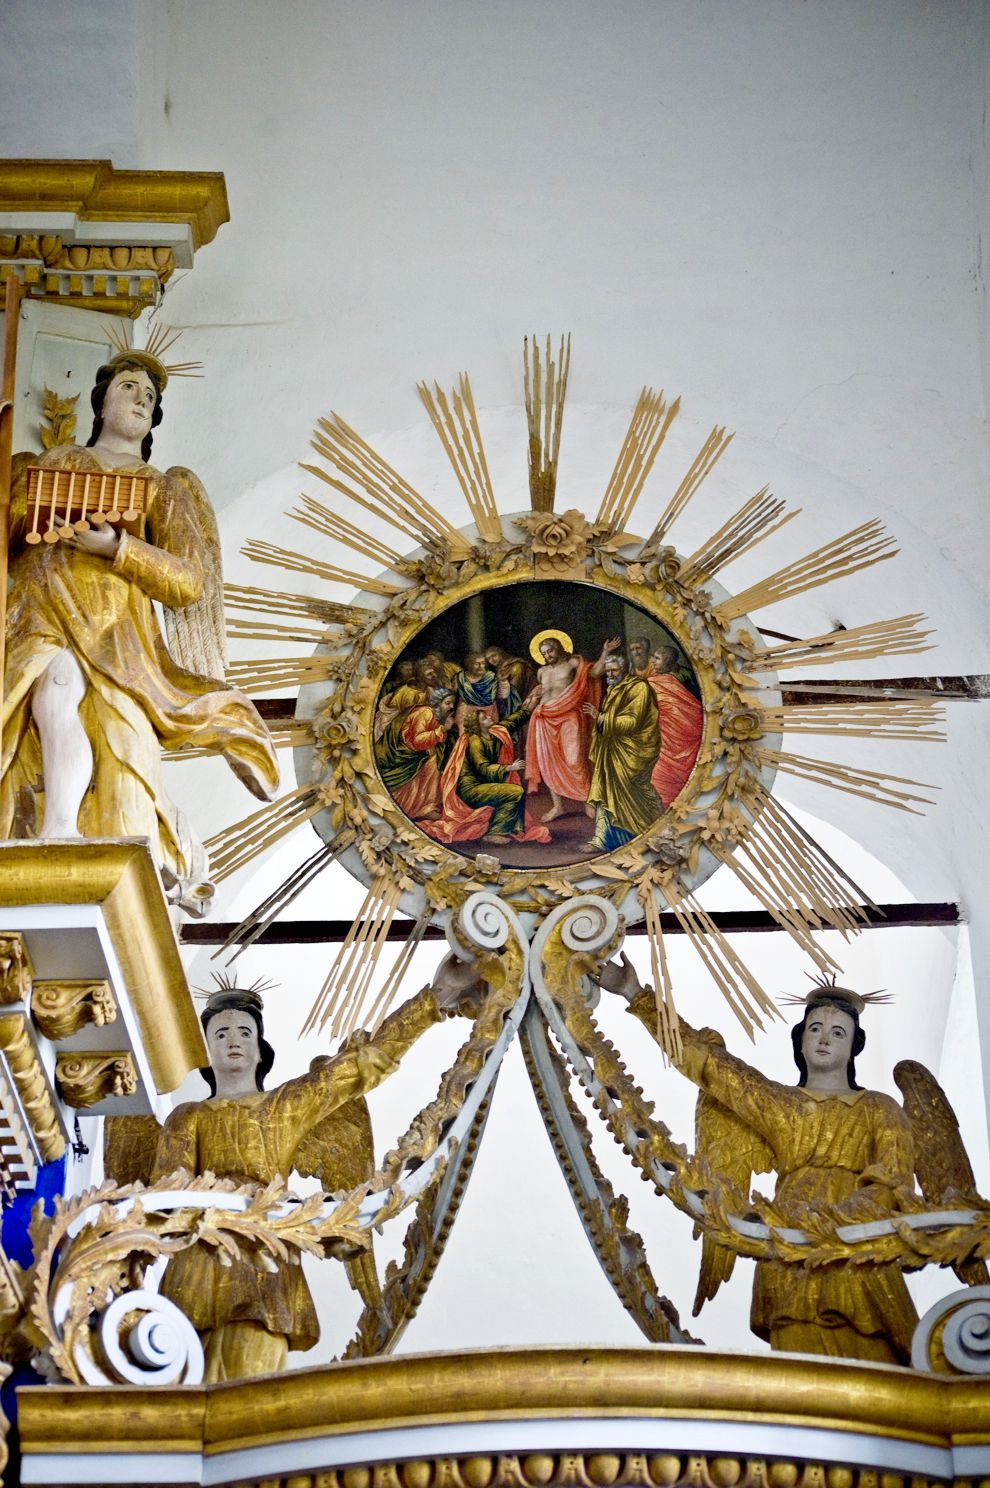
129	1147
733	1152
340	1151
197	633
942	1167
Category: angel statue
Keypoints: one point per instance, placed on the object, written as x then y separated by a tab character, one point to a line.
92	694
316	1124
835	1147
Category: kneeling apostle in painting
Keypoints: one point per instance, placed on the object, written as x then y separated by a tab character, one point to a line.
92	694
836	1149
481	791
249	1318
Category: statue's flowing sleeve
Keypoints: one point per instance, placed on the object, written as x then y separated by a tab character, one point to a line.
764	1105
363	1062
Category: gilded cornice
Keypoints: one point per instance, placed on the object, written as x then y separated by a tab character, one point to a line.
94	191
121	880
512	1384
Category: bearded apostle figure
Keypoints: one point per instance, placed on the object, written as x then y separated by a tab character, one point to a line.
92	694
625	742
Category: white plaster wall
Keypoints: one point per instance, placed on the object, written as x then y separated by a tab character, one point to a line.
777	210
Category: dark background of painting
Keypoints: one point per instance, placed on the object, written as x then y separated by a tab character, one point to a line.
510	616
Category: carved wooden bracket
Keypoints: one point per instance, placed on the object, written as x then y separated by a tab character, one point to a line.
60	1009
83	1080
15	969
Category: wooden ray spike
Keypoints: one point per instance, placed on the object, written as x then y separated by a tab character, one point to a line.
545	388
321	519
251	630
704	462
459	433
843	898
375	503
395	497
860	548
646	433
231	849
733	978
872	785
393	982
257	921
858	643
886	719
341	997
756	520
263	552
797	919
281	671
274	602
668	1024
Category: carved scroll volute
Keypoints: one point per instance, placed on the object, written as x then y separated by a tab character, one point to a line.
61	1009
15	969
571	944
85	1079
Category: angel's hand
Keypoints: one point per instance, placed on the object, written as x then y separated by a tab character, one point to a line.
102	541
455	981
620	977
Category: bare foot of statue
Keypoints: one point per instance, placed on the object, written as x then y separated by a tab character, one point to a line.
589	810
498	837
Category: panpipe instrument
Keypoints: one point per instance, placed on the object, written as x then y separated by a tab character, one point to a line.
61	502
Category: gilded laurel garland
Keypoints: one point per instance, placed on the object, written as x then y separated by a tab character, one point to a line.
916	1234
92	1254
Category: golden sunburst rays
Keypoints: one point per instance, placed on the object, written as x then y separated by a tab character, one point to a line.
858	643
383	492
456	423
700	468
861	548
772	856
545	387
255	923
238	845
646	433
756	520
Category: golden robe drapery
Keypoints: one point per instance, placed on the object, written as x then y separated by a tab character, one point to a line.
138	700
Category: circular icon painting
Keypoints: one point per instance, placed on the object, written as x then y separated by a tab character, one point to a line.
543	723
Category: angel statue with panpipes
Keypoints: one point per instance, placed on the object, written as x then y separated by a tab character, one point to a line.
249	1317
837	1149
92	693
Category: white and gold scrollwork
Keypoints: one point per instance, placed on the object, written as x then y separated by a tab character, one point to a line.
953	1337
915	1235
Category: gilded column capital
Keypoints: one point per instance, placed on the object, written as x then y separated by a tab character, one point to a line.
84	1079
61	1009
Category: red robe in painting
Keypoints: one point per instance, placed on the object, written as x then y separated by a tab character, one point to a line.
459	822
681	722
558	738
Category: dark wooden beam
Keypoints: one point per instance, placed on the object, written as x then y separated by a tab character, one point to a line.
276	710
730	921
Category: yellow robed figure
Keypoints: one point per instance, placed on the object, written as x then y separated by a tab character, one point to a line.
92	693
